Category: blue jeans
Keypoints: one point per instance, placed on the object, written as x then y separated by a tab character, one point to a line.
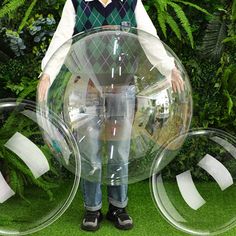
117	195
104	142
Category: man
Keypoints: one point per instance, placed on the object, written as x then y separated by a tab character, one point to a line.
76	18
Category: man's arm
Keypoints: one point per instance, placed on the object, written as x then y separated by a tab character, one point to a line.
155	50
51	65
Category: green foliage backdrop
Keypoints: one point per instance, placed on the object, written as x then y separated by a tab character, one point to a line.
202	34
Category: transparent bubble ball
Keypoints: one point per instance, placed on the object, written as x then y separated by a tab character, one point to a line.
193	182
36	185
112	86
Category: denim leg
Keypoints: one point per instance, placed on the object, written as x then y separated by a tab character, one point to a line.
91	166
117	172
117	195
92	195
121	113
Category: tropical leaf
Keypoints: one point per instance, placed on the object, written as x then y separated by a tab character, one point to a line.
232	80
225	77
162	21
28	90
216	32
27	15
11	7
234	10
184	20
161	4
165	17
173	25
229	39
194	6
230	103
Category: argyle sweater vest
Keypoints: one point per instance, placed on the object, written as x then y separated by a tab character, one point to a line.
93	14
99	50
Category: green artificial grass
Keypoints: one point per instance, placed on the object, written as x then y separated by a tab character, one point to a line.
147	219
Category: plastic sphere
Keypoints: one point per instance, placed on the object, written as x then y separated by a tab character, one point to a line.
193	182
113	88
35	149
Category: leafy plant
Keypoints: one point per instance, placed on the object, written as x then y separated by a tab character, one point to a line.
14	170
19	77
18	34
165	16
27	15
234	10
10	6
41	29
216	32
16	42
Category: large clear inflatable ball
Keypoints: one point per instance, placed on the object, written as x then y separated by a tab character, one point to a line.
193	182
113	88
37	154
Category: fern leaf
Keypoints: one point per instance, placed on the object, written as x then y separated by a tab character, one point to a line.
229	39
173	25
6	1
194	6
234	11
184	20
230	103
225	77
27	15
161	4
13	180
9	123
216	32
232	80
23	169
161	20
21	187
10	7
28	90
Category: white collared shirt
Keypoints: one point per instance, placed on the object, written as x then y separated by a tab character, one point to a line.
65	30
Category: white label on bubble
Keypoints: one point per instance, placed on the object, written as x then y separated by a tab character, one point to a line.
189	191
217	170
5	191
29	153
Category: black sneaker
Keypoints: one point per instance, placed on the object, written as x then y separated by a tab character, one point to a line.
120	218
92	220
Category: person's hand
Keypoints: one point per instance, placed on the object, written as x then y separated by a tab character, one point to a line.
43	86
177	81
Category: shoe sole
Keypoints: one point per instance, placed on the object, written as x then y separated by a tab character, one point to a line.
118	226
92	229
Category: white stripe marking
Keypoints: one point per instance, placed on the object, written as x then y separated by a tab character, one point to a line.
29	153
114	131
112	72
81	139
189	191
112	150
115	47
217	170
5	191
